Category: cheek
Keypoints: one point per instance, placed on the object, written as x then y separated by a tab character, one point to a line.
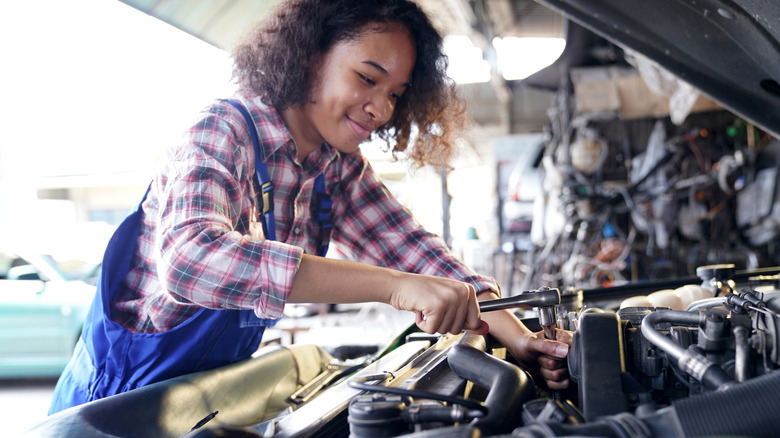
345	96
330	99
337	98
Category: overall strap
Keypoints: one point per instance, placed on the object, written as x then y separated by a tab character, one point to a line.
264	202
322	214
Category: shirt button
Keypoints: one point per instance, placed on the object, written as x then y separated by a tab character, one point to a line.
297	230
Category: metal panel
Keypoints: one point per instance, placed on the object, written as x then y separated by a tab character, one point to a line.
218	22
727	49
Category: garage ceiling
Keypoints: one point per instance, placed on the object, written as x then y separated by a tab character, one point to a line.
220	22
726	48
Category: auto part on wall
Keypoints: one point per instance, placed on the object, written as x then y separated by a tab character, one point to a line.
665	200
646	177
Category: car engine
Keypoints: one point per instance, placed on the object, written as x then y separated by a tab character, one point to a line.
695	358
641	371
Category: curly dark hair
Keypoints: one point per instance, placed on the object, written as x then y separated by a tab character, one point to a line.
277	58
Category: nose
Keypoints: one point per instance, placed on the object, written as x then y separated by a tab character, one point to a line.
380	107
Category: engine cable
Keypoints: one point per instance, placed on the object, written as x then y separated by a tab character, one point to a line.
420	394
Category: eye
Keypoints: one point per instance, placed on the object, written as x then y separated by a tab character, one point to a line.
366	79
395	96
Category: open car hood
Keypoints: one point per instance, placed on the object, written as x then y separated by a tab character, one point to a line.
728	49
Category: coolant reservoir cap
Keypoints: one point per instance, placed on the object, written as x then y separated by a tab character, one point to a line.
716	272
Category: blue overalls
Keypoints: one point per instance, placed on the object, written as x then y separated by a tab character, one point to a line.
109	359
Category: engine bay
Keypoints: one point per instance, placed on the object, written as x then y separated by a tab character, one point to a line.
706	369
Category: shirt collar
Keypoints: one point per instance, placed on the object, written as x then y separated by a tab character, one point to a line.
274	135
273	132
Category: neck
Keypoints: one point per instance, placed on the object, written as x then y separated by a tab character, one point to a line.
301	130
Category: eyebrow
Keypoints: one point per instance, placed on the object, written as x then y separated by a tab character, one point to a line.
384	71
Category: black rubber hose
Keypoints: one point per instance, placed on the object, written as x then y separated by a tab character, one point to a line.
672	349
622	425
508	386
691	362
741	353
746	409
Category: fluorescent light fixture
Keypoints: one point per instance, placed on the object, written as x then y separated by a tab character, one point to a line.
466	62
518	58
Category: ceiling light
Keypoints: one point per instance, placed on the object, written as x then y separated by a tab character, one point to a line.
466	62
518	58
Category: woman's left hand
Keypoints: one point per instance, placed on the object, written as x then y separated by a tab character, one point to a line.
544	358
548	356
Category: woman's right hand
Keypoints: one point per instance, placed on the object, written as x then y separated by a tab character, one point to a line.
441	305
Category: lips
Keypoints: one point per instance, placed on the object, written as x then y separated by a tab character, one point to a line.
363	130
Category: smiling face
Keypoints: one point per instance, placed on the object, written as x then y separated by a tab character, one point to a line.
357	86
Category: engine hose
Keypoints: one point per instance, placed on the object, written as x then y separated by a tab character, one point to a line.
690	361
508	386
705	303
444	414
471	404
623	425
747	409
742	353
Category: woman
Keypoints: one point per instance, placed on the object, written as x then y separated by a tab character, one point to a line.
210	270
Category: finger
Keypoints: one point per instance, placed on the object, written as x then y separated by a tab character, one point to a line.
482	330
564	336
557	385
441	319
460	308
547	362
466	306
554	375
549	347
452	322
473	316
422	322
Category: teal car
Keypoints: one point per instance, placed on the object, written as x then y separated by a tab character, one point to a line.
43	304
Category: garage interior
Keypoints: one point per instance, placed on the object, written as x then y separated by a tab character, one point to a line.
623	168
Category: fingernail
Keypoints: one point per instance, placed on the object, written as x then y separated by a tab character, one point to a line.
562	350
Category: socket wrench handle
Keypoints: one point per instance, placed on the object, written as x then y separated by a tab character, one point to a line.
543	297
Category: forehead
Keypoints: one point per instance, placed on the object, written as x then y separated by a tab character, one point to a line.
390	47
